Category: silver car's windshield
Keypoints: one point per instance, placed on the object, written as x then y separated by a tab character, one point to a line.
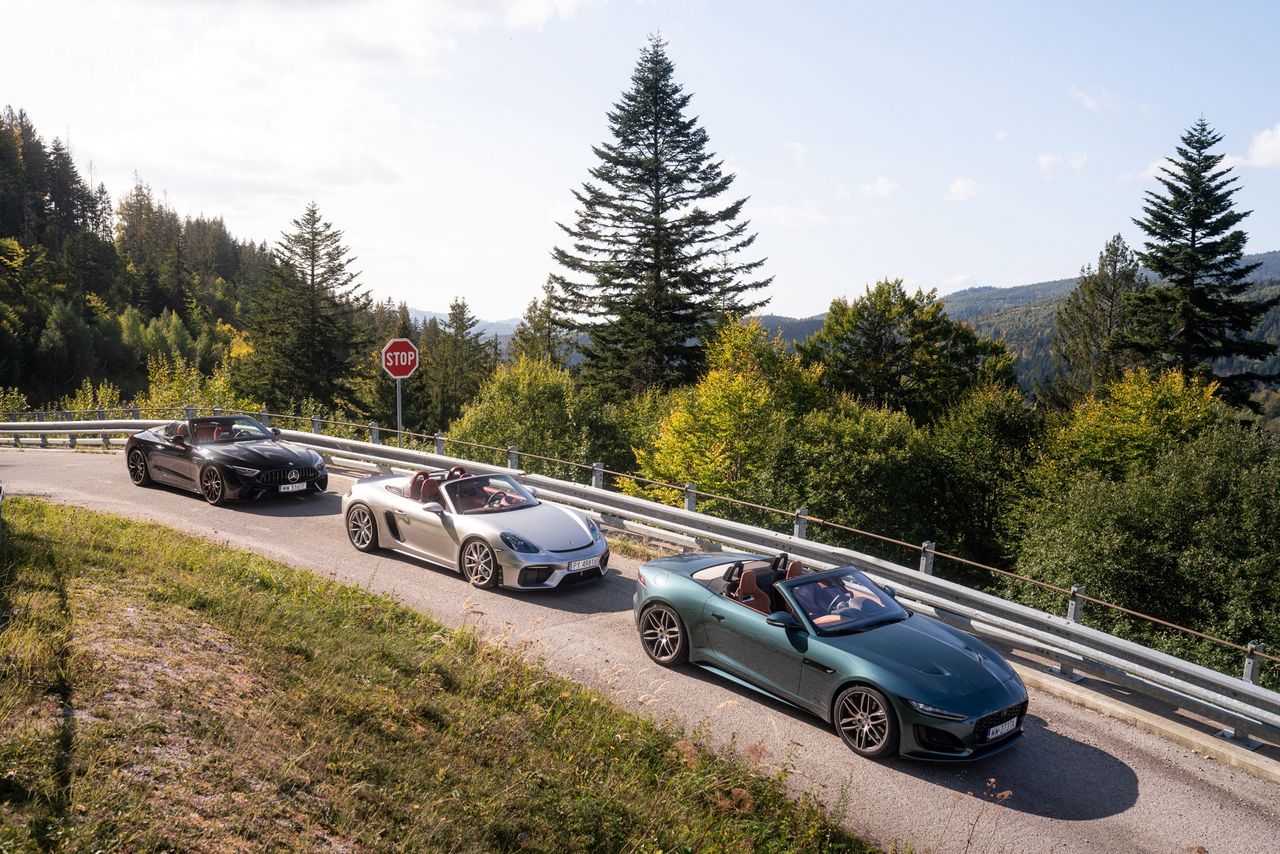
487	493
845	601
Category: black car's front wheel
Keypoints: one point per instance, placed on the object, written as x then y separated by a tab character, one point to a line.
137	462
212	485
361	528
480	564
663	635
866	722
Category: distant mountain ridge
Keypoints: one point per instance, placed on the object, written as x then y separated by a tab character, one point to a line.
493	328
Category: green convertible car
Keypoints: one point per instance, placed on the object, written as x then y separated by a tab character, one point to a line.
837	645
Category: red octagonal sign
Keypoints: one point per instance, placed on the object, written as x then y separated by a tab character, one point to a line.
400	358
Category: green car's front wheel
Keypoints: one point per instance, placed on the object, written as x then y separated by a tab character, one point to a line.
663	635
866	722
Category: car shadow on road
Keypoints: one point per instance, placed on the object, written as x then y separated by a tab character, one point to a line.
608	595
304	505
1047	775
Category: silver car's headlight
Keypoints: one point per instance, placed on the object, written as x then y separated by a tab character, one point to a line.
245	470
934	711
595	530
518	544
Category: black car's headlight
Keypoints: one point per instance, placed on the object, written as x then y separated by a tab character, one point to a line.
934	711
245	471
317	460
518	544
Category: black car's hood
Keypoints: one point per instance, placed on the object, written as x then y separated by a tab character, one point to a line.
928	654
262	454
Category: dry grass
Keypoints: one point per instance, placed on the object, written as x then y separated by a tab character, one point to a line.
159	692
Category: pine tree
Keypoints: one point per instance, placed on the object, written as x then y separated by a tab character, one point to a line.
1194	315
656	266
457	360
542	335
1093	315
302	325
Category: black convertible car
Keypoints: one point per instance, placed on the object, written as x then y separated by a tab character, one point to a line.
224	457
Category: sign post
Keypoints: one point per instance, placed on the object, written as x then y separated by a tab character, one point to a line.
400	360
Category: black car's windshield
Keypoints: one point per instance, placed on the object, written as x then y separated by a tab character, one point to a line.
487	493
228	428
845	601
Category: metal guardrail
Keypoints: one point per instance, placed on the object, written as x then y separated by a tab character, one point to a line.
1248	709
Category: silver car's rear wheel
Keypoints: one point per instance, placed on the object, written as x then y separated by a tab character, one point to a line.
138	467
866	722
212	486
663	635
361	528
479	564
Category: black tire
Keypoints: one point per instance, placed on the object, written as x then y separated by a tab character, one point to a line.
213	486
138	471
362	528
866	721
663	635
479	564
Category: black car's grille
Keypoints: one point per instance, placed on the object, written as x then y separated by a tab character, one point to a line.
277	476
983	725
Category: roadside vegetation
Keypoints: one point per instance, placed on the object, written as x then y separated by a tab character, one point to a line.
161	692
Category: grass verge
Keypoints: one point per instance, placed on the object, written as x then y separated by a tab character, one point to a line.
161	692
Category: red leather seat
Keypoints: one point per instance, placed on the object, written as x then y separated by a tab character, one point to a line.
416	484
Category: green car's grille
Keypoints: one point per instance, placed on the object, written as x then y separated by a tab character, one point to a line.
984	725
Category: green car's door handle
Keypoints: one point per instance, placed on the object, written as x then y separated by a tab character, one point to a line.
718	616
816	666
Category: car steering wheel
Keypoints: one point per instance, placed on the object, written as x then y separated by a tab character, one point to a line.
495	499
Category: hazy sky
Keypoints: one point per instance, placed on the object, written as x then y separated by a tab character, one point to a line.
950	144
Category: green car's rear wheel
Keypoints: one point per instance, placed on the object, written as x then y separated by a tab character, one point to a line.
663	635
866	722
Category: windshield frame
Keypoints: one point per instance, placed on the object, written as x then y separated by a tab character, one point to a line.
228	422
889	610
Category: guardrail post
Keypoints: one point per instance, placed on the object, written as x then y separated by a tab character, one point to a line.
926	557
440	444
134	413
690	497
189	411
106	437
373	432
513	457
217	410
801	523
1075	612
265	418
597	475
1251	661
44	440
315	424
71	437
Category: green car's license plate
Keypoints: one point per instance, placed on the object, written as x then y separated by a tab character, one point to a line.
1002	729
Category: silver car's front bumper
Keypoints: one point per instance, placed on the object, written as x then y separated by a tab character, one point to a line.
545	571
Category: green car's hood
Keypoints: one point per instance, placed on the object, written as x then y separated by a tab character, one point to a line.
934	659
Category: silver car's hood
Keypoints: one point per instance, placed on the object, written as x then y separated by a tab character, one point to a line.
547	526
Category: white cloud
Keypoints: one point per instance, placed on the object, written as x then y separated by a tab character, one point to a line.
1151	170
1050	161
963	189
1264	151
801	217
799	152
1096	101
880	188
1001	135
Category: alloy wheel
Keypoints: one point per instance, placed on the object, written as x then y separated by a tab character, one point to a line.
360	528
138	468
211	485
479	565
864	722
663	635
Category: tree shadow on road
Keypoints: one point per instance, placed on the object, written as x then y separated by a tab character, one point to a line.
1047	775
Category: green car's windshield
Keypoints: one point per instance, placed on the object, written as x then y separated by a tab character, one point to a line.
845	601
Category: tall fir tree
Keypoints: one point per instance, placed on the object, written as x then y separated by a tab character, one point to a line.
1195	315
652	267
303	326
543	333
1087	325
457	360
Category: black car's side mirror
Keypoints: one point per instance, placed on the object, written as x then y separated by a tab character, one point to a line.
782	620
180	441
275	431
433	507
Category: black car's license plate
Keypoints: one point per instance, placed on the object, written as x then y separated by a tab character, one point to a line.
292	487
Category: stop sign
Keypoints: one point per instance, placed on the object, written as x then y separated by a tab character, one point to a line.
400	358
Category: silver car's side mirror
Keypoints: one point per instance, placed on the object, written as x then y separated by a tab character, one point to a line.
782	620
433	507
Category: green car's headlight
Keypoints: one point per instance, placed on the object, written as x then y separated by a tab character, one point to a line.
934	711
518	544
245	470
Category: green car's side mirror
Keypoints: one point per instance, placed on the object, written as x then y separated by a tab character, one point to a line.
782	620
893	594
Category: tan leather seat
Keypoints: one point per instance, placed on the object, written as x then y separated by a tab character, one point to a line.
750	594
795	569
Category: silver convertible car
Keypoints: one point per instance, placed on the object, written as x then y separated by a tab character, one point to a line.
487	526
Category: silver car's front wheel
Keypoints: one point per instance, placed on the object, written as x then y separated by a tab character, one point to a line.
361	528
663	635
480	564
866	722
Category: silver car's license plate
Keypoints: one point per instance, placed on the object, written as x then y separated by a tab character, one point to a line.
1002	729
584	564
292	487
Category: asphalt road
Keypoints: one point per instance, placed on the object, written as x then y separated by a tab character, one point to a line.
1079	782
